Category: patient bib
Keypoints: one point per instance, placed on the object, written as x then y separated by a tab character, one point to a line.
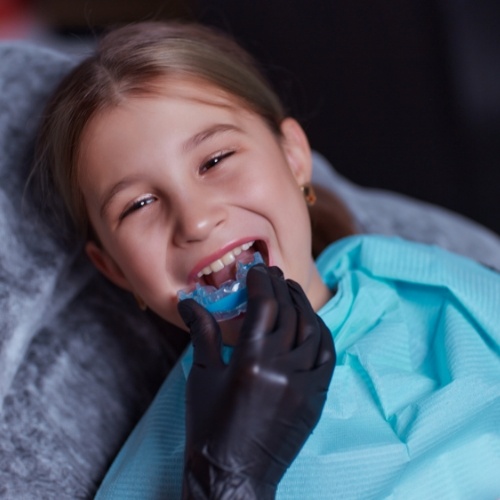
413	410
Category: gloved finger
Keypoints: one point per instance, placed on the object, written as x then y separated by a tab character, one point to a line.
307	337
307	317
320	376
283	339
317	379
315	385
326	349
284	332
262	308
205	333
276	272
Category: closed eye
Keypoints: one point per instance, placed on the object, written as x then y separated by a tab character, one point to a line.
137	205
215	160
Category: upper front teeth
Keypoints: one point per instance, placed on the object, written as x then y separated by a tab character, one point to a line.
225	260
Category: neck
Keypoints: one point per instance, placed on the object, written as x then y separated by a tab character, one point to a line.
318	293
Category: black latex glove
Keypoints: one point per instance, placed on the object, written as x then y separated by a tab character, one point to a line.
246	421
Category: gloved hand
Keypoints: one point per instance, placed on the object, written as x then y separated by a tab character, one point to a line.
247	420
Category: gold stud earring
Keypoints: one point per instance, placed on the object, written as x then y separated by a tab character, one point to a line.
308	193
140	302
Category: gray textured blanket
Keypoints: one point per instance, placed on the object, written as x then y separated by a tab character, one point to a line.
79	362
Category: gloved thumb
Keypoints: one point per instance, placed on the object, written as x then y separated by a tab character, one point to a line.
205	332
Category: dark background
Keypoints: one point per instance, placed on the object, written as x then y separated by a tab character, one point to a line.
401	95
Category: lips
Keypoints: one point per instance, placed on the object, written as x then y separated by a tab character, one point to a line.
226	260
223	268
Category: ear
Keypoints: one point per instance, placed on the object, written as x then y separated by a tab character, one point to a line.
106	265
297	150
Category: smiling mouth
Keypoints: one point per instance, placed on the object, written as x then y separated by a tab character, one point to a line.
223	269
221	285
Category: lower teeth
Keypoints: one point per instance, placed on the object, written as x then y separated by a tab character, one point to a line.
230	299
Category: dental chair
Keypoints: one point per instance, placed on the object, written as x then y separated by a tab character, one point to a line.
79	362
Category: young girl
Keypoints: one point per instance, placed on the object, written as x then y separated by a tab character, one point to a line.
176	160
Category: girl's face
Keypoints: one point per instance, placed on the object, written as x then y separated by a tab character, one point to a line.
179	182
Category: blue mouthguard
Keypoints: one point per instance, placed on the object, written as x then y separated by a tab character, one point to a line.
230	299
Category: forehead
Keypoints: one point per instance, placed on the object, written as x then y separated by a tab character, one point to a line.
141	127
178	91
177	94
189	89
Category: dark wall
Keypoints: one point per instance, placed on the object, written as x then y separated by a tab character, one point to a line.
400	95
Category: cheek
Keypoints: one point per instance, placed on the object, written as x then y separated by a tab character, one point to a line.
143	266
292	228
172	316
163	302
296	226
273	188
142	244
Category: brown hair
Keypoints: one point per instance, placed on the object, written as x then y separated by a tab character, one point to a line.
127	62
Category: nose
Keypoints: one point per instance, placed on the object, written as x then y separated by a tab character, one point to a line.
197	213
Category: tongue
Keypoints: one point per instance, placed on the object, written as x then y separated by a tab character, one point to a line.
229	272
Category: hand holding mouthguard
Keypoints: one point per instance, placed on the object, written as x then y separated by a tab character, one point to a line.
247	420
230	299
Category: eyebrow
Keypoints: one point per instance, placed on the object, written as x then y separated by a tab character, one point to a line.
208	133
111	193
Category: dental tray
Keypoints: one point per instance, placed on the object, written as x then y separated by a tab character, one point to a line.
230	299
